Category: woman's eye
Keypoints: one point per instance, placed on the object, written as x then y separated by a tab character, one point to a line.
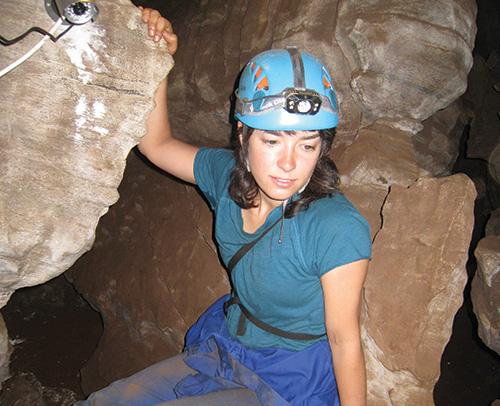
308	147
270	142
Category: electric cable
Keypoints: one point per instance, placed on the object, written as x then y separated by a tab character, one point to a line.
30	53
7	42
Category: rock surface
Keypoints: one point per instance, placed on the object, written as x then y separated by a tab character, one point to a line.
381	156
408	59
493	224
484	140
437	145
5	350
415	286
485	291
72	113
151	273
24	389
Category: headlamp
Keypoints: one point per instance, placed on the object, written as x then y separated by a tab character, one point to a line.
74	12
302	101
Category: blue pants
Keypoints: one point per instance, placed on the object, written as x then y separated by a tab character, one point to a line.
218	370
155	386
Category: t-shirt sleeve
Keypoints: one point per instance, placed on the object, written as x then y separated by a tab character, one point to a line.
343	239
212	169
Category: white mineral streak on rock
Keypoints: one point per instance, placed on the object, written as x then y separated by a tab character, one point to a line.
84	48
72	113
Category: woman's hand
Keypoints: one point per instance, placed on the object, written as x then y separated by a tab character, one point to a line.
159	27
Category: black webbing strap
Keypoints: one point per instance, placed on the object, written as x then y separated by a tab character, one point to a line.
247	247
298	68
235	300
264	326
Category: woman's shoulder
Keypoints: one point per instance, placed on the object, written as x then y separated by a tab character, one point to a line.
333	232
212	170
214	156
333	212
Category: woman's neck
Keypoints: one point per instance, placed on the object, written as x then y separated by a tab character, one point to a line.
254	217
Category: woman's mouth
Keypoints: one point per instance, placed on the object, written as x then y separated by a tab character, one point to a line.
283	182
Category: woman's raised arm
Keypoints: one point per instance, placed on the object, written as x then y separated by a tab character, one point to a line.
159	145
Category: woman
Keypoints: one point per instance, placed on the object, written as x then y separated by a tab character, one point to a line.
297	250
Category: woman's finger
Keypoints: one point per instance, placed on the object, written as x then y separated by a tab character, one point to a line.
153	18
160	28
172	42
145	14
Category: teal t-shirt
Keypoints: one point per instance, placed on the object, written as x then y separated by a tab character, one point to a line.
279	283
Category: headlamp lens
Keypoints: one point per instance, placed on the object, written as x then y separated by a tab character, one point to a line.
302	102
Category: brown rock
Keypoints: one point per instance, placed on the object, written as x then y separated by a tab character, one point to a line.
76	109
152	271
493	224
414	287
485	292
409	59
436	146
381	156
368	199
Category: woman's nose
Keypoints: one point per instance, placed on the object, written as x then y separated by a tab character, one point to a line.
287	160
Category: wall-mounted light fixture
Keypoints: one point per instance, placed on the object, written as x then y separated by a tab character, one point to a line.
73	12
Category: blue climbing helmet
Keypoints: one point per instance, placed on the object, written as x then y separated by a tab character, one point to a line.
286	89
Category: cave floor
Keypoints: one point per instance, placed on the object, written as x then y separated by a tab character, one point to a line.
54	332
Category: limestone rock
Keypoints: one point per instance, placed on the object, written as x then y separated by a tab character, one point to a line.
5	350
408	59
381	156
152	271
493	224
71	114
368	199
437	145
485	291
415	286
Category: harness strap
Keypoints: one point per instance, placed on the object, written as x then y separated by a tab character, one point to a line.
247	247
264	326
245	313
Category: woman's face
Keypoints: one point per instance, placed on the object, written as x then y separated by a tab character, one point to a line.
283	163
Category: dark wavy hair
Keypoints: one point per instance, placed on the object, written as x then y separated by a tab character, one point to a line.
243	189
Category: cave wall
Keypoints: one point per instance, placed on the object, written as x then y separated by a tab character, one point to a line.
395	67
71	113
152	271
